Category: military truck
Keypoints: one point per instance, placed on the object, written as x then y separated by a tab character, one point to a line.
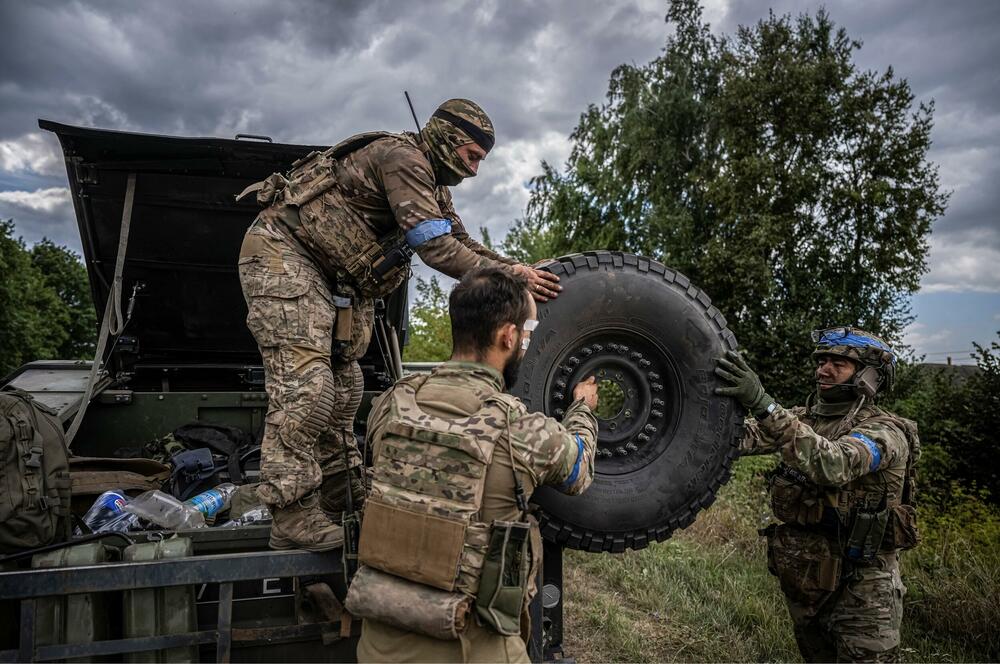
161	230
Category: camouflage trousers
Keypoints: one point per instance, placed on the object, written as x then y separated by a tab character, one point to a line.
853	616
313	393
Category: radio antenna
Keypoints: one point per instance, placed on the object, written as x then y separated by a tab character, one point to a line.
412	112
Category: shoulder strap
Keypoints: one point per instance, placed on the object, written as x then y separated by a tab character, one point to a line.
509	403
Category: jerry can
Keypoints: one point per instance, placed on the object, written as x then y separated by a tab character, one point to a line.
81	618
160	611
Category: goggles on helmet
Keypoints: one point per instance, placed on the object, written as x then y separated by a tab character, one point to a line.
850	337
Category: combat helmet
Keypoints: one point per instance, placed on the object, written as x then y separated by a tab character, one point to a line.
876	358
455	123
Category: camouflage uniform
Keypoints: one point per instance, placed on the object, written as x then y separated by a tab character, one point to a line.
832	464
293	269
545	452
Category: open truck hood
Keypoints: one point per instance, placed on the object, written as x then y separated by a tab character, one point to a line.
184	239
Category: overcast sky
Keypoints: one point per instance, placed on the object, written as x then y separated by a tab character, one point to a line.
315	72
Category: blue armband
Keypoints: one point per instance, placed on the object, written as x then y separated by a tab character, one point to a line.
872	447
576	466
427	229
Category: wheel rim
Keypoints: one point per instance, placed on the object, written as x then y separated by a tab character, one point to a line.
639	367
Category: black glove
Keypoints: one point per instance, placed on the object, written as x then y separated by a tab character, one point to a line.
746	387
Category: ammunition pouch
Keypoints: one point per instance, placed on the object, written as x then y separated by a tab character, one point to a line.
794	499
414	607
505	577
864	537
806	563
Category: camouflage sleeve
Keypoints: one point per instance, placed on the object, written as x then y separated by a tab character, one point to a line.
757	441
462	235
560	455
409	187
377	418
864	449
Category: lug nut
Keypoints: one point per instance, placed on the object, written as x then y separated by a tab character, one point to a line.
645	364
561	384
653	376
573	361
558	396
656	414
631	447
657	403
650	429
586	352
623	349
642	438
601	452
559	412
635	356
597	348
621	451
656	387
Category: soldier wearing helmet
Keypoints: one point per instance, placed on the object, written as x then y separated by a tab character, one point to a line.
338	232
842	496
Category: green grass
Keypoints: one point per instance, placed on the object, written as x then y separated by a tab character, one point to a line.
706	595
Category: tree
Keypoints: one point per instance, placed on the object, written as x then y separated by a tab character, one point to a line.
958	414
791	186
45	309
430	324
32	318
63	272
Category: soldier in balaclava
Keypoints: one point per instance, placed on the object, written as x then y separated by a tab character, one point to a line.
842	495
337	233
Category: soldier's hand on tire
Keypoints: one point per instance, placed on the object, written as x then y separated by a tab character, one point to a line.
544	286
746	387
587	390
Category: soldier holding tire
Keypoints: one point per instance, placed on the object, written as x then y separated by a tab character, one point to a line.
448	550
843	494
338	232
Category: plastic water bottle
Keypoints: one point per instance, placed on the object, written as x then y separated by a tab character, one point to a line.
108	505
213	501
166	511
122	523
255	515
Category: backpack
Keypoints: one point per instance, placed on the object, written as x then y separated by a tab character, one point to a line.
34	474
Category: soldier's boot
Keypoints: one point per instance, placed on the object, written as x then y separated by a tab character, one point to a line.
334	491
303	525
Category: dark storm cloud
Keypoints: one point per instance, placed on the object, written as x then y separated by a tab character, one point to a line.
316	71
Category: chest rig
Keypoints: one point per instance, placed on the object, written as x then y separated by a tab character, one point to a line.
423	520
310	204
871	513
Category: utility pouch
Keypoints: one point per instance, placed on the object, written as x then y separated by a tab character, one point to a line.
406	605
901	533
345	318
806	564
505	577
415	546
794	499
865	535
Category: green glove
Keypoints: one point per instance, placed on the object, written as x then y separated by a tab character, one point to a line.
746	387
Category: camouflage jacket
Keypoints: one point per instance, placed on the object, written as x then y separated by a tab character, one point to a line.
387	185
546	452
849	462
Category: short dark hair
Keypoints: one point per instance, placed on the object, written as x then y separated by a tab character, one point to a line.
481	302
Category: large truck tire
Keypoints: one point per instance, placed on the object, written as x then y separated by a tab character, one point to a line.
665	440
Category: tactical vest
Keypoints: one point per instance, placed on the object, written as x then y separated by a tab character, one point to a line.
836	510
422	521
310	196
